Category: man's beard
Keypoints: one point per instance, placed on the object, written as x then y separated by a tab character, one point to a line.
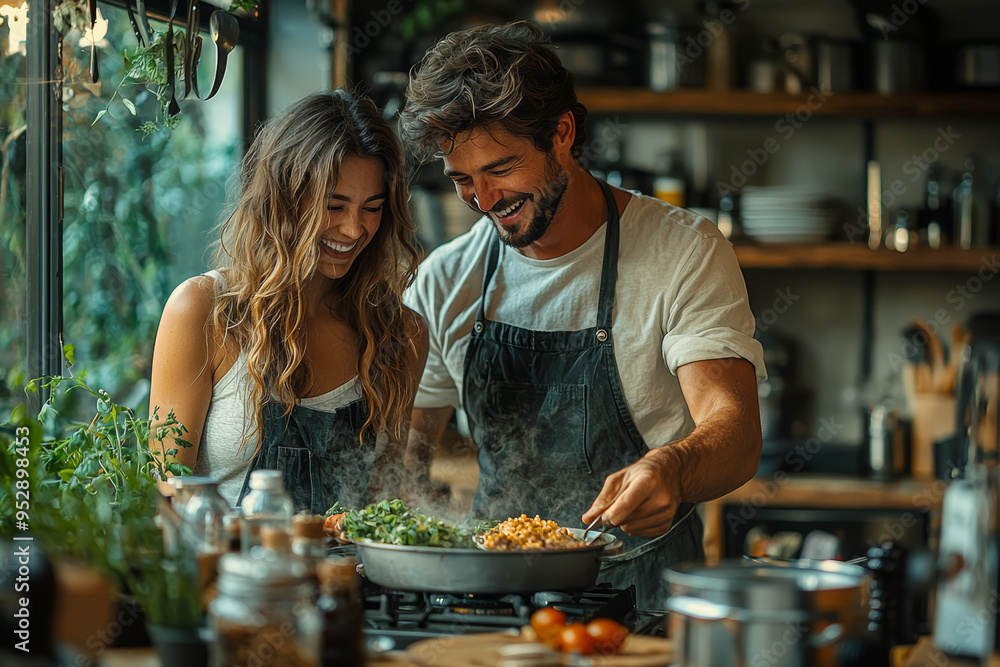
545	208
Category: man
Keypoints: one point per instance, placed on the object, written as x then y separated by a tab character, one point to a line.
599	342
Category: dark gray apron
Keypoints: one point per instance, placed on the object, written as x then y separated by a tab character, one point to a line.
319	454
550	419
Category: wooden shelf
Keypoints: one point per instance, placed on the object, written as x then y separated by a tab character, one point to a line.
868	105
839	492
858	256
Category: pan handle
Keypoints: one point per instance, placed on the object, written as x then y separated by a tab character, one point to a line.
616	548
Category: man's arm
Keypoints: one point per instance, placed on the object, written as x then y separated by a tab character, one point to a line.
720	454
427	425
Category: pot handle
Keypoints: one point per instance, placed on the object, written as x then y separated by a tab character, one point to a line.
616	548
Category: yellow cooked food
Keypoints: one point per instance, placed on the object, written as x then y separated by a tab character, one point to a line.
525	533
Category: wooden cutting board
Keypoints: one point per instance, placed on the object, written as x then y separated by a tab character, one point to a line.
484	650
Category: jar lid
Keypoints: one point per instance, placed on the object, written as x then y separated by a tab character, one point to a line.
241	575
337	570
188	481
308	526
269	480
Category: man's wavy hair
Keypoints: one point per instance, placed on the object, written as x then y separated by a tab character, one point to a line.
507	76
269	252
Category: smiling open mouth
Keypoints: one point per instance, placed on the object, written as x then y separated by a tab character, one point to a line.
511	210
339	248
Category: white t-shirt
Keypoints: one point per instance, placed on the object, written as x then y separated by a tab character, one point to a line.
680	298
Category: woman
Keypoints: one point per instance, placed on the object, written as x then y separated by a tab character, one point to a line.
297	353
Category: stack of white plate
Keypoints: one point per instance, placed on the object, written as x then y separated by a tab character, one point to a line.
785	214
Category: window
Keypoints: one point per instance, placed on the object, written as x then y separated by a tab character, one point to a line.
138	210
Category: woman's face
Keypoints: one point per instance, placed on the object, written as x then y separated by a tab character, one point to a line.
353	214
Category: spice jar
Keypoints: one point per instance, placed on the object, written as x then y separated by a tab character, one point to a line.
309	540
264	614
343	642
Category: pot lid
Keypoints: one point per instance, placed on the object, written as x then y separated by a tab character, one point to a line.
804	575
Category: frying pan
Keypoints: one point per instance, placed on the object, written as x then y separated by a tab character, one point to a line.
451	570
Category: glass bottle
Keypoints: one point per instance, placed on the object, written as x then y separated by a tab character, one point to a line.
203	530
267	505
264	614
343	642
935	217
669	184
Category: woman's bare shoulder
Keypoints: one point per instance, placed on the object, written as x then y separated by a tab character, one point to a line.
188	312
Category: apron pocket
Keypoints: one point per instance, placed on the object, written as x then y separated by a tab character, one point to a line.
548	423
295	464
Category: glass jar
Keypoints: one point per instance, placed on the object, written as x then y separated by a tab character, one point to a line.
343	642
264	614
204	513
267	505
185	487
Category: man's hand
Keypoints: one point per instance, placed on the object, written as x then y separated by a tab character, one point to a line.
641	498
719	455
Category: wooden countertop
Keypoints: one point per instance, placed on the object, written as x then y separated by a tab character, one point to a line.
813	491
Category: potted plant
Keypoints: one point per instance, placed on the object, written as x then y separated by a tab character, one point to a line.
94	497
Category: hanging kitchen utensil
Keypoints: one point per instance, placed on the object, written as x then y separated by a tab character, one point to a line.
140	36
140	9
225	31
173	108
95	72
192	46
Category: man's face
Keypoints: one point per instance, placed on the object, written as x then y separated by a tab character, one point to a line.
505	177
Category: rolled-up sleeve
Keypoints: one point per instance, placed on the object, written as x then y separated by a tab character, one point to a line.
437	387
708	313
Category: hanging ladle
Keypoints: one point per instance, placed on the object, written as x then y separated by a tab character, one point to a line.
225	31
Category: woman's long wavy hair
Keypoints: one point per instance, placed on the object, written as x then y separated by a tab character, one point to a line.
269	252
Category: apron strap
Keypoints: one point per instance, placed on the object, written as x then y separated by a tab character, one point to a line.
492	258
609	269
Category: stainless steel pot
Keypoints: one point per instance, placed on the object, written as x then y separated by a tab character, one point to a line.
779	614
442	570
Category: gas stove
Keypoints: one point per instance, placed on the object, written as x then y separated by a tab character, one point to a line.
396	619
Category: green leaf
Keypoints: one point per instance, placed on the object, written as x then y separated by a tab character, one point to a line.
19	413
129	105
69	351
100	115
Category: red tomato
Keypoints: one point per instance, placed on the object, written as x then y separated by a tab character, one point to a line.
574	639
607	635
548	624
